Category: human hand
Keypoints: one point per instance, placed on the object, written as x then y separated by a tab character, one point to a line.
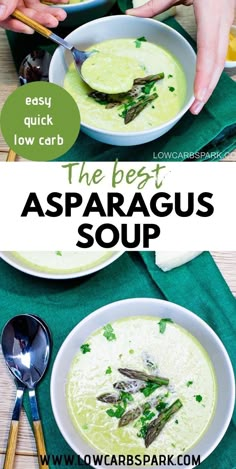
214	19
36	10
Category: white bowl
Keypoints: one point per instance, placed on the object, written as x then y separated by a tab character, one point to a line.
81	13
231	63
19	264
122	26
151	307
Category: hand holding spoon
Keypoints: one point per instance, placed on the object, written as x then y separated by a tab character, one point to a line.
98	70
79	56
26	348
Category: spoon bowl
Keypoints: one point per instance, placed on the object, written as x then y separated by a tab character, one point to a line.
35	67
26	347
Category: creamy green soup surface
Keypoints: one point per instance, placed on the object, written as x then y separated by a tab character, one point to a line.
62	261
148	59
153	346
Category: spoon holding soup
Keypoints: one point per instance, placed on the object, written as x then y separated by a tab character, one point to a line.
95	68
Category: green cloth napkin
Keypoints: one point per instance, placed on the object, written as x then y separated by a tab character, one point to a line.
197	285
210	136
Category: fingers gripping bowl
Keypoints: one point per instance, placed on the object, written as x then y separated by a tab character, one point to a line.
171	50
208	396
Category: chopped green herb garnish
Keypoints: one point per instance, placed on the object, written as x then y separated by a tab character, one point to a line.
176	421
126	106
131	351
109	332
147	416
138	42
171	89
117	412
146	89
108	371
119	409
170	76
149	389
189	383
172	444
85	426
58	253
162	324
126	397
198	398
146	407
142	432
85	348
161	406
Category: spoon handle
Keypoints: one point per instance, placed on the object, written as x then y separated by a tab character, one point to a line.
12	439
38	431
11	445
39	438
33	24
11	155
39	28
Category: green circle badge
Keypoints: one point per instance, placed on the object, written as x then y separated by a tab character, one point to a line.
40	121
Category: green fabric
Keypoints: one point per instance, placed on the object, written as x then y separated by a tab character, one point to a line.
212	133
197	285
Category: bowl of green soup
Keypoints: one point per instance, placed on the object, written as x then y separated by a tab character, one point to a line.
139	380
59	265
81	11
161	91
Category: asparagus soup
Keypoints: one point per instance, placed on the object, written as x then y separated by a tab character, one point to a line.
155	97
141	385
62	261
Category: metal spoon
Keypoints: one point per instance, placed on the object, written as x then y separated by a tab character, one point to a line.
26	349
35	67
78	55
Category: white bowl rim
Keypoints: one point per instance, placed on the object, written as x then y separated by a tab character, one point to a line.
143	132
200	321
75	5
55	276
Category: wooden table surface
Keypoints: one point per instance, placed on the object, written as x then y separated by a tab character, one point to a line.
226	261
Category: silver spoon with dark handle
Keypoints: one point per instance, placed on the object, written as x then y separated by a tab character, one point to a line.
78	55
26	349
